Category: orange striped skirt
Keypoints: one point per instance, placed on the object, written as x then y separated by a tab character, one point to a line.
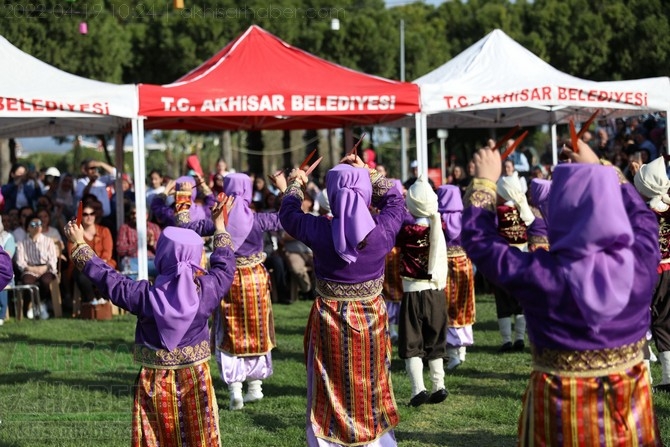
246	313
350	397
175	407
460	291
609	410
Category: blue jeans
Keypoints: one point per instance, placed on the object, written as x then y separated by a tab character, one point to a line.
134	267
3	304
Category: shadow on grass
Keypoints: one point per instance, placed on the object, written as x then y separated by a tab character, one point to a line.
279	354
111	382
117	344
272	423
477	438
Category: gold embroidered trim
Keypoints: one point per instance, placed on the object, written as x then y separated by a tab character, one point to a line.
481	193
380	186
250	261
222	240
590	363
175	359
455	251
183	217
349	292
295	188
538	240
81	254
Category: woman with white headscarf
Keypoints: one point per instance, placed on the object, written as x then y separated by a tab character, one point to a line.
349	395
652	182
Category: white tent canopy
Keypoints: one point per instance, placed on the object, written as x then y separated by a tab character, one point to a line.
498	83
37	99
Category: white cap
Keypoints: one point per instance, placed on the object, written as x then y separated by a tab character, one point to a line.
54	172
414	164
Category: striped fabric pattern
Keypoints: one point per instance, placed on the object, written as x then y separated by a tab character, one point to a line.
352	397
175	408
614	410
247	314
392	282
460	292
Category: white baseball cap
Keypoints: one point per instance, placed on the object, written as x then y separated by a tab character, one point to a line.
54	172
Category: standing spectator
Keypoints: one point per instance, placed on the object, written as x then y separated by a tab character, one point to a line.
126	242
8	247
20	190
202	199
96	184
37	261
349	252
155	184
222	168
174	400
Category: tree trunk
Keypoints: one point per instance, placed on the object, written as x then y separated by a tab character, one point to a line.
255	144
287	155
5	161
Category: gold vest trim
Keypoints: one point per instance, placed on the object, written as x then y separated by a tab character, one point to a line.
176	359
349	292
250	261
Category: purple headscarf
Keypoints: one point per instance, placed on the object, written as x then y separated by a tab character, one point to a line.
539	194
397	184
591	237
197	211
240	218
174	297
450	206
349	193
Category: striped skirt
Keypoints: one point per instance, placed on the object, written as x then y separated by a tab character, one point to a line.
246	314
175	407
350	398
460	291
614	410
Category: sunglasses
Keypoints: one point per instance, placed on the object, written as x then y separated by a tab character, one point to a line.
88	214
35	224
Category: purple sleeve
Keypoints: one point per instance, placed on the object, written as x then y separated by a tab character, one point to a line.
645	229
6	271
162	212
216	283
523	275
392	210
209	201
268	221
124	292
294	220
204	227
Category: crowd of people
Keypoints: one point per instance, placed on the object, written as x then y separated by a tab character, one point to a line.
382	262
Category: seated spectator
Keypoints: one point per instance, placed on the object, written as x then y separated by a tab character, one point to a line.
37	262
99	238
126	243
19	231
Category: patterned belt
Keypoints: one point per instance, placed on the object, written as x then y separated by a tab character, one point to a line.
349	292
250	261
176	359
455	251
590	363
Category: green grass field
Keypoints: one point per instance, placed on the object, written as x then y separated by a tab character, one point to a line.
69	383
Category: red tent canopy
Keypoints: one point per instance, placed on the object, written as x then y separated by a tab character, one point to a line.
259	82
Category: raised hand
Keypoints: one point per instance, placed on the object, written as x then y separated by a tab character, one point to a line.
585	154
74	232
353	160
487	164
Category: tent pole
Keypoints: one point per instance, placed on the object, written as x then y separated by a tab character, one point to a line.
403	154
667	133
554	145
140	197
118	184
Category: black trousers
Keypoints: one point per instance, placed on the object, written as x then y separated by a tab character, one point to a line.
422	325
